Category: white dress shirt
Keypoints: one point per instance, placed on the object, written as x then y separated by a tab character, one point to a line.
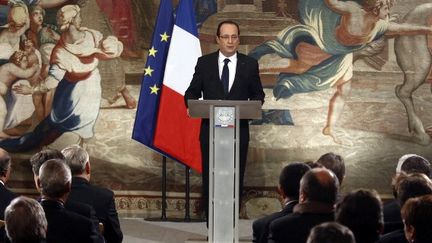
231	67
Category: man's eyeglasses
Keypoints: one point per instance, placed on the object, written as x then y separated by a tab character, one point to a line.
227	37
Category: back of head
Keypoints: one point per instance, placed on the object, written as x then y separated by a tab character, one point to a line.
289	179
361	212
335	163
25	221
41	157
54	179
408	186
330	232
413	163
76	158
417	214
5	162
319	185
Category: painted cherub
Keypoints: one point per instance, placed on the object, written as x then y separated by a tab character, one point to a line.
17	67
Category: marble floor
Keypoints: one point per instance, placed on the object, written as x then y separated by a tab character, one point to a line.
142	231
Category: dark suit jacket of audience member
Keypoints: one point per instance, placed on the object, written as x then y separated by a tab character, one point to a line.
392	217
102	200
260	226
397	236
68	227
6	196
295	227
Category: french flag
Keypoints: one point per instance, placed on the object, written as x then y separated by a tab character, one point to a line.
161	121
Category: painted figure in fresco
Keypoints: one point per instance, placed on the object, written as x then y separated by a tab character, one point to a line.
74	74
317	58
18	23
20	108
17	67
414	58
112	71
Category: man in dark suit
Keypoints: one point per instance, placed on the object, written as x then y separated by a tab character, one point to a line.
6	195
408	163
318	191
225	75
37	160
101	199
63	225
288	188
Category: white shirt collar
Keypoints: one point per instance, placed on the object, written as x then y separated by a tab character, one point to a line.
222	57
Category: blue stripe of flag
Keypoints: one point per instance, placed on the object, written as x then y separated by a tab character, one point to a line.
151	86
185	18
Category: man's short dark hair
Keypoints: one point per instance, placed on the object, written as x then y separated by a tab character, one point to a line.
321	185
41	157
227	22
413	163
289	179
330	232
54	177
361	211
335	163
407	186
25	221
5	162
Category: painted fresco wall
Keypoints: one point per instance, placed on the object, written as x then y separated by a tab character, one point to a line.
370	131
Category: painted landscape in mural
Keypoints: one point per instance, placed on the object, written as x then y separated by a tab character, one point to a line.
359	87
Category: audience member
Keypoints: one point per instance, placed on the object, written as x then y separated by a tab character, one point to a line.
6	195
335	163
361	212
318	192
101	199
37	160
25	221
330	232
408	163
63	225
406	186
288	188
417	217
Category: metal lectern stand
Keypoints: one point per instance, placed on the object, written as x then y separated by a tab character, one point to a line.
224	163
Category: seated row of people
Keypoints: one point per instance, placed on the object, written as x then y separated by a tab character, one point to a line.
75	210
307	213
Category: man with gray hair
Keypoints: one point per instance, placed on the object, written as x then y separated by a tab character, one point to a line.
25	221
101	199
63	225
6	195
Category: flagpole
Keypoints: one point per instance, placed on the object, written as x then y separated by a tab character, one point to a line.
187	196
164	203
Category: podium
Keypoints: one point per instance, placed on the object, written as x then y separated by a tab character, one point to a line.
224	147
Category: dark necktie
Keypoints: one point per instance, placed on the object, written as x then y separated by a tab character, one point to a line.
225	75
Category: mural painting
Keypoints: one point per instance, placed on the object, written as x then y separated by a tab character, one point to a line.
356	86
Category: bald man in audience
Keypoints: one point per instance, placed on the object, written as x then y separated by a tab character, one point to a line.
330	232
63	225
101	199
318	191
288	188
408	163
25	221
6	195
